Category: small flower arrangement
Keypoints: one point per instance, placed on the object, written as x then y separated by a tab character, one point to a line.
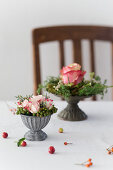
71	82
39	106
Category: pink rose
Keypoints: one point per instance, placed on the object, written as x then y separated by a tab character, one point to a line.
72	74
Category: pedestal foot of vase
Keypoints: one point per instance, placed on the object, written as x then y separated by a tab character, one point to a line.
35	136
72	112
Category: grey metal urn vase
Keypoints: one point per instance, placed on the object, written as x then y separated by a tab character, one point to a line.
35	124
72	112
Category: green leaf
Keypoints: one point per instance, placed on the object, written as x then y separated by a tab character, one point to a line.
105	81
97	78
40	87
20	141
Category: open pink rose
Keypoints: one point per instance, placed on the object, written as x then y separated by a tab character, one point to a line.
72	74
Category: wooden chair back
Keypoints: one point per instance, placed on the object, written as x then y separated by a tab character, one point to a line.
74	33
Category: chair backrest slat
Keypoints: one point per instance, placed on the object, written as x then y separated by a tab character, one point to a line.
112	68
77	58
92	56
36	67
61	47
92	60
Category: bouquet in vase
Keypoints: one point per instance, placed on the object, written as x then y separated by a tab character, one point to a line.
72	86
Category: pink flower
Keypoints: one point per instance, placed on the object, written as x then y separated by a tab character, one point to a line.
72	74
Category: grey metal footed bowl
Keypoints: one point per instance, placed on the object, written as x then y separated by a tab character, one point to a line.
35	124
72	112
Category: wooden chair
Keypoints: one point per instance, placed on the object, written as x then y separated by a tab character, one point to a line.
74	33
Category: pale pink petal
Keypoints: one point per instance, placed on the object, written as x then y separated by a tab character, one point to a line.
70	67
74	77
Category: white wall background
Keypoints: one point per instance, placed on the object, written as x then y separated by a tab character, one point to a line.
19	17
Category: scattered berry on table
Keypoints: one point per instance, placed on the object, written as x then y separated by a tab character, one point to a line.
51	150
65	143
112	149
90	163
60	130
87	165
4	134
23	143
89	160
109	152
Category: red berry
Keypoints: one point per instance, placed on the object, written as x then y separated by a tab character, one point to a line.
65	143
87	165
23	143
89	160
51	150
90	163
4	134
109	152
112	149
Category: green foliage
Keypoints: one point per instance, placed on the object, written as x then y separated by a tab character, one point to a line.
39	89
97	78
20	141
86	88
94	89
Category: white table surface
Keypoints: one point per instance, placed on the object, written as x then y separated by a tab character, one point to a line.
90	139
